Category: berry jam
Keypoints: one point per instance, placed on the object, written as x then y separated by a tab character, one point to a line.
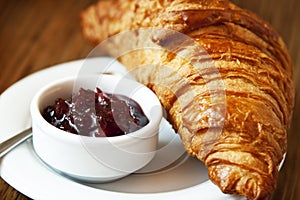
96	114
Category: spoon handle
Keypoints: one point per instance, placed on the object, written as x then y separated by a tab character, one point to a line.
7	145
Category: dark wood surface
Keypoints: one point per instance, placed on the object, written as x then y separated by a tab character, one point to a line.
37	34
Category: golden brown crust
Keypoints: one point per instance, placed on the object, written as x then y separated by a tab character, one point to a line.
241	137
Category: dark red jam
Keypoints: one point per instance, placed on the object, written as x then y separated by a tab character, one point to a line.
96	114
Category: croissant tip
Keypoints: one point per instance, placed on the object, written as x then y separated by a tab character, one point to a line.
230	181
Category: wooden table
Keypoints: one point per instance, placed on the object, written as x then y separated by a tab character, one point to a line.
37	34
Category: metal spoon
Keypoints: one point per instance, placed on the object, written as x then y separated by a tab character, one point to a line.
9	144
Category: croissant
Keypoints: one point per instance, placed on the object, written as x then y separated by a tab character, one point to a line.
223	75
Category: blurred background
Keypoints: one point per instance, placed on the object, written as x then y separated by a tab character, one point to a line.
37	34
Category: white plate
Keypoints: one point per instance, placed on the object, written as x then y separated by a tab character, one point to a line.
171	175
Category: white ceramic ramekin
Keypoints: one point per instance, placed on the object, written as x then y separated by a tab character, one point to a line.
95	159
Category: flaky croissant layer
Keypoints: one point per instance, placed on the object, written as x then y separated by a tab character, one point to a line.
223	75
